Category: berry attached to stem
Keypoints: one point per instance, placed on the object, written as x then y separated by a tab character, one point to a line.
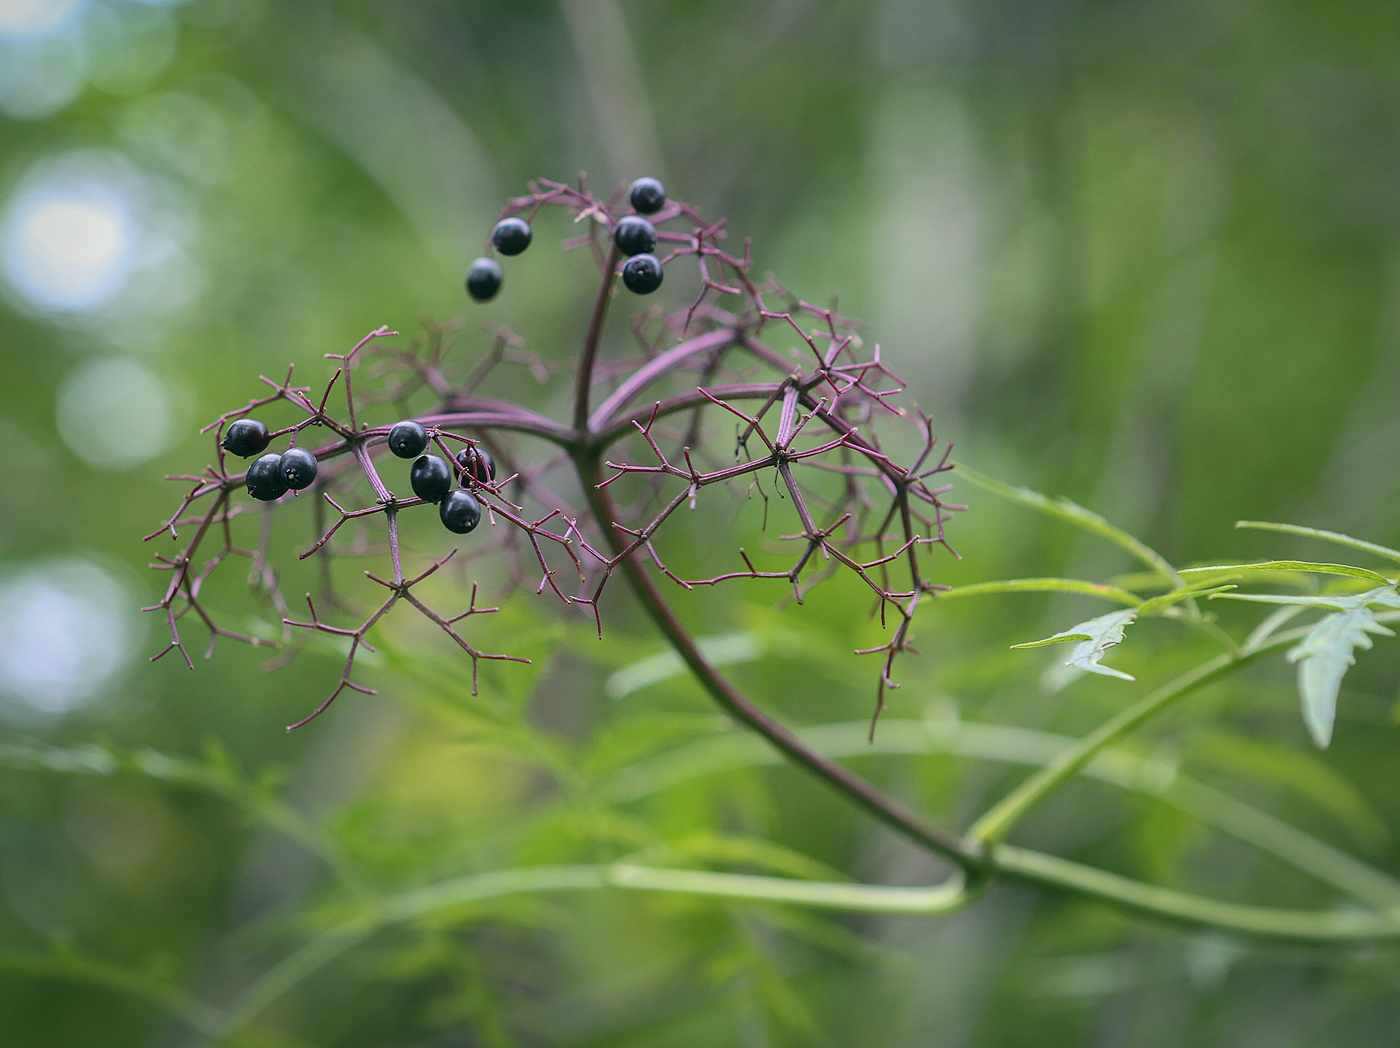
484	279
634	235
245	437
408	439
265	480
477	462
430	478
460	511
647	195
299	468
511	236
642	274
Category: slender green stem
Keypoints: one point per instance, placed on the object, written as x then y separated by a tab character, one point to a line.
1322	926
996	823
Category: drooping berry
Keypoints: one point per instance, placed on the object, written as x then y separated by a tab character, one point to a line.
299	468
634	235
460	511
642	274
430	478
265	480
648	196
477	462
511	236
484	279
245	437
408	439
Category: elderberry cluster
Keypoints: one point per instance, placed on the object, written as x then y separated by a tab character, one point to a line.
634	235
431	478
272	475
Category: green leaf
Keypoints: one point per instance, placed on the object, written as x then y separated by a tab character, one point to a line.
1162	602
1326	536
1291	565
1095	638
1092	589
1328	650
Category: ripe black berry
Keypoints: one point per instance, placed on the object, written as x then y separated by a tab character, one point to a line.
430	478
642	274
511	236
478	463
634	235
484	279
265	480
460	512
299	468
648	196
408	439
245	437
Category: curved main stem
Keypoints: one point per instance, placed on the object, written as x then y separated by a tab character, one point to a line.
737	705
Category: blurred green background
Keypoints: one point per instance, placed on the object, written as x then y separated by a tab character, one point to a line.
1143	254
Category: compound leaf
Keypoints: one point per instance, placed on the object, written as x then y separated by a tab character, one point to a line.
1095	638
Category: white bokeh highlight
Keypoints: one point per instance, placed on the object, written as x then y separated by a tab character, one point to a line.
114	413
66	631
69	246
23	21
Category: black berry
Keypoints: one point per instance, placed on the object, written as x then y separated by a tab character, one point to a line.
265	480
299	468
484	279
642	274
634	235
245	437
408	439
430	478
511	236
460	512
478	463
648	196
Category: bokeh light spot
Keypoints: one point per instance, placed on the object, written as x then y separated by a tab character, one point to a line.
65	632
68	245
24	20
114	413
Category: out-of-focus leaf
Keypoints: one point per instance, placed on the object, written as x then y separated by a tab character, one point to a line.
1328	651
726	650
1095	637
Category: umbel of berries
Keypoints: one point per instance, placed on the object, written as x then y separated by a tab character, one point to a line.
642	274
477	462
245	437
299	468
430	478
511	236
460	512
634	235
484	279
265	480
408	439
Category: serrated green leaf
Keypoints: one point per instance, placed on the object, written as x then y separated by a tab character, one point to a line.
1095	637
1328	650
1291	565
1164	601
